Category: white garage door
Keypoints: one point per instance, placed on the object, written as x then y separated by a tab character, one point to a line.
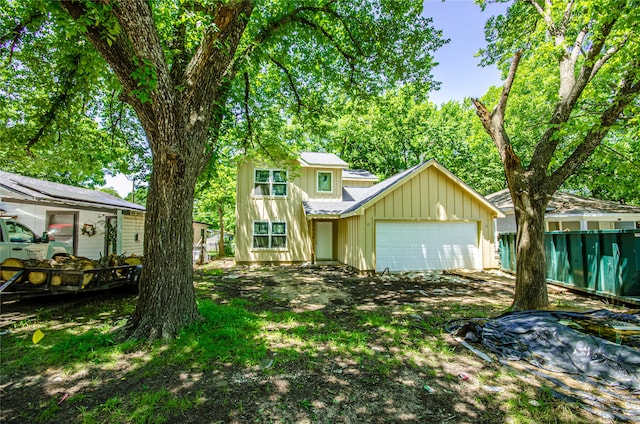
420	246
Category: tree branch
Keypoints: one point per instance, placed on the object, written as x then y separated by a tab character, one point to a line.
245	105
118	53
210	65
292	83
568	96
294	16
16	33
57	103
500	108
628	91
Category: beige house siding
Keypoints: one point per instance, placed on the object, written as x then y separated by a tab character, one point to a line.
307	182
357	183
287	209
426	197
350	238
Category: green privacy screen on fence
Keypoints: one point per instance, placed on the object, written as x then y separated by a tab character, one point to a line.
603	262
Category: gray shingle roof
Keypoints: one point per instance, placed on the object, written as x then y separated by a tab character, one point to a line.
358	174
18	187
350	195
563	203
328	160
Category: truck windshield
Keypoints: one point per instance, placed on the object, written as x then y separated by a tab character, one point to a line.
19	233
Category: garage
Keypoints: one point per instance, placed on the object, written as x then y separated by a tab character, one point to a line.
420	246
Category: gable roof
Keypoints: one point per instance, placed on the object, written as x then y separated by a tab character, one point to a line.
26	189
379	189
325	160
565	204
357	199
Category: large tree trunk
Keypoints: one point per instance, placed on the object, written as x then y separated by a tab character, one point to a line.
167	296
531	280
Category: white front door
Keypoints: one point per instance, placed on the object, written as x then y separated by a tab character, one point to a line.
324	240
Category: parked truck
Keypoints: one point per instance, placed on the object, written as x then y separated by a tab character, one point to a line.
36	266
20	242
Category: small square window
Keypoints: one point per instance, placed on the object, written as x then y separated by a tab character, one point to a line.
325	182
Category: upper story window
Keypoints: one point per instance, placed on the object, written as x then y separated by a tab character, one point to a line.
325	182
270	182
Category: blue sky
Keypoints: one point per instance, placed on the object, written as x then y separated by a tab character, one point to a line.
462	21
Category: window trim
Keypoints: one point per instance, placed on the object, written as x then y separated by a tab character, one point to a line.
318	182
269	235
271	183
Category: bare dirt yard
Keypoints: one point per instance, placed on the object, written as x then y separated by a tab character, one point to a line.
310	344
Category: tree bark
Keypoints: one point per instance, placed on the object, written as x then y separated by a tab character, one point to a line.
166	301
531	270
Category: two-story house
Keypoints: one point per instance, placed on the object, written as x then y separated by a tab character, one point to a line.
316	209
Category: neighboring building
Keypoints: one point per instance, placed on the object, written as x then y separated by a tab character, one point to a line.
200	231
213	242
568	212
94	223
316	209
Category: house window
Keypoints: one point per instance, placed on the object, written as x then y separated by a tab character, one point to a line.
325	182
270	182
63	226
269	235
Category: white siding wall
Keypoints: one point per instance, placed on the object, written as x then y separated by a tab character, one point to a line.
132	226
34	217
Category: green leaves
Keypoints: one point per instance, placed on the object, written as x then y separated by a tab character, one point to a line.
60	118
147	78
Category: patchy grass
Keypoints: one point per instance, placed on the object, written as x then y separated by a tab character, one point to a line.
274	349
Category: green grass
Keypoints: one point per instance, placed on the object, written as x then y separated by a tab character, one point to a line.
140	407
236	333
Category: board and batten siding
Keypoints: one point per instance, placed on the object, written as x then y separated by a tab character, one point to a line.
350	250
287	209
429	196
307	182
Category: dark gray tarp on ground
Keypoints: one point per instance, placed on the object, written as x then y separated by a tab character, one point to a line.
544	339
